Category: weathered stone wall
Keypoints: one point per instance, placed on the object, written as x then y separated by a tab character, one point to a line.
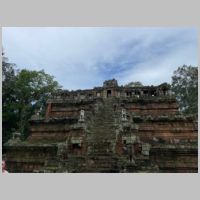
71	109
109	129
167	130
155	108
29	158
53	130
179	158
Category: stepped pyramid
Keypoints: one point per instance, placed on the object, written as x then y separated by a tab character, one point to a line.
108	129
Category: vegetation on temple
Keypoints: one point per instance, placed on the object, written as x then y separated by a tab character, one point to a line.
185	87
23	93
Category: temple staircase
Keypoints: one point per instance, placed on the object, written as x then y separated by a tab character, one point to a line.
101	140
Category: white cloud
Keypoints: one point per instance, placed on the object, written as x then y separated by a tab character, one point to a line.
84	57
160	69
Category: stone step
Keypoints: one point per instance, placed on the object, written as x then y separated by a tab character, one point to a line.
101	138
100	168
106	131
111	127
103	127
104	152
100	122
105	114
91	170
101	149
104	161
107	124
103	132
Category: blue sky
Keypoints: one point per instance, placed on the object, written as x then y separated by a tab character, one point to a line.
83	57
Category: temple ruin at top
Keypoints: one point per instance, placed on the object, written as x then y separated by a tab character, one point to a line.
108	129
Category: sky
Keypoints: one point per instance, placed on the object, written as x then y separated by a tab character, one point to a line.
84	57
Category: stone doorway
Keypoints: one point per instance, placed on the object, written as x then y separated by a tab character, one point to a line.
109	93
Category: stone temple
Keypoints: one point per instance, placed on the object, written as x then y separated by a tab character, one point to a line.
108	129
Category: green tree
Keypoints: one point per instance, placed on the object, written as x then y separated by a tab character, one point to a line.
23	92
32	90
9	99
134	84
185	87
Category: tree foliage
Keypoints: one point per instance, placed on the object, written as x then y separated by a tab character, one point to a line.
32	90
9	99
185	87
23	92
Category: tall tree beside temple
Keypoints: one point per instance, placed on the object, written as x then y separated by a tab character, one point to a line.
185	87
9	98
23	93
32	90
